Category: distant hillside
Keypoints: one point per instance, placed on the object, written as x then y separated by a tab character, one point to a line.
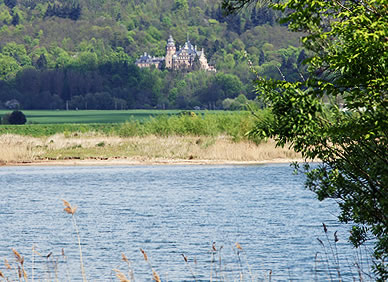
77	50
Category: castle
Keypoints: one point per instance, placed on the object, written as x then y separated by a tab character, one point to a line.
183	59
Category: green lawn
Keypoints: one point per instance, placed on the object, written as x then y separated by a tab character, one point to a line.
92	116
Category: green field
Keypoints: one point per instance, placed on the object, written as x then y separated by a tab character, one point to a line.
163	123
93	116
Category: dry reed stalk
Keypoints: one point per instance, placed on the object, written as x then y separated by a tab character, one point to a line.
47	258
240	249
189	266
71	210
270	275
335	257
55	265
7	265
327	258
20	260
130	270
220	262
48	264
68	208
155	275
213	251
144	254
33	263
315	266
121	276
18	257
67	265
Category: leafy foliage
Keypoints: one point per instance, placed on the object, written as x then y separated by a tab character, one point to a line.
233	124
86	50
348	132
65	10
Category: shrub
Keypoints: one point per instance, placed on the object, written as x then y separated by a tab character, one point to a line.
17	117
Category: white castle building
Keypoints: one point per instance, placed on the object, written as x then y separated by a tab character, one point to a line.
184	59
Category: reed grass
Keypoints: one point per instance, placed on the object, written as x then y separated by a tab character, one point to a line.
330	262
72	210
214	137
19	149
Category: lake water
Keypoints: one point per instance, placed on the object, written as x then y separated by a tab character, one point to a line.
169	211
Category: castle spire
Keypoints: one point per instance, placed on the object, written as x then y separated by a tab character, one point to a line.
170	41
170	52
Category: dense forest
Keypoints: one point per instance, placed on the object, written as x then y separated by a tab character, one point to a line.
80	54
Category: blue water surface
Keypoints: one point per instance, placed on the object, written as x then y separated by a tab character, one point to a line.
169	211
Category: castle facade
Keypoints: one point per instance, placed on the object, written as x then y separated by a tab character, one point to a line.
187	57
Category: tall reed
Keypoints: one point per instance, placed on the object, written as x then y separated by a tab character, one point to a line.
218	272
71	210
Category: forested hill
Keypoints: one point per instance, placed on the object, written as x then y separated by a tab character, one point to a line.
83	52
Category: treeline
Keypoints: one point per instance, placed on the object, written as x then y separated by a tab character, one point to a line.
64	10
94	87
77	53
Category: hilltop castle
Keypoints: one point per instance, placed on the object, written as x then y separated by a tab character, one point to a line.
183	59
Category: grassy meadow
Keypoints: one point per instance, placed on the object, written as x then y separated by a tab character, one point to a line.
92	116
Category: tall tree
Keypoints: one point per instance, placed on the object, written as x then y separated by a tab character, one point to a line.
15	19
41	63
10	3
348	43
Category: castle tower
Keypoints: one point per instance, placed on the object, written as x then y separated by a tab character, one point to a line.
170	52
203	60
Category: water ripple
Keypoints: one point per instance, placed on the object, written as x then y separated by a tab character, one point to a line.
167	211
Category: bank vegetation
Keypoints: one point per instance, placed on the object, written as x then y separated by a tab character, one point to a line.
184	137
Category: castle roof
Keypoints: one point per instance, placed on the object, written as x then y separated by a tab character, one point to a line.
170	41
188	49
146	58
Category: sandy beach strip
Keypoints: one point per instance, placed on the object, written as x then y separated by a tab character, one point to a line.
144	162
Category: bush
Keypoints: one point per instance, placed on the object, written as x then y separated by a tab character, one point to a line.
17	117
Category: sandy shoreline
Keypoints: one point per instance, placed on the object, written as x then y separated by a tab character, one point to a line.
140	162
60	150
